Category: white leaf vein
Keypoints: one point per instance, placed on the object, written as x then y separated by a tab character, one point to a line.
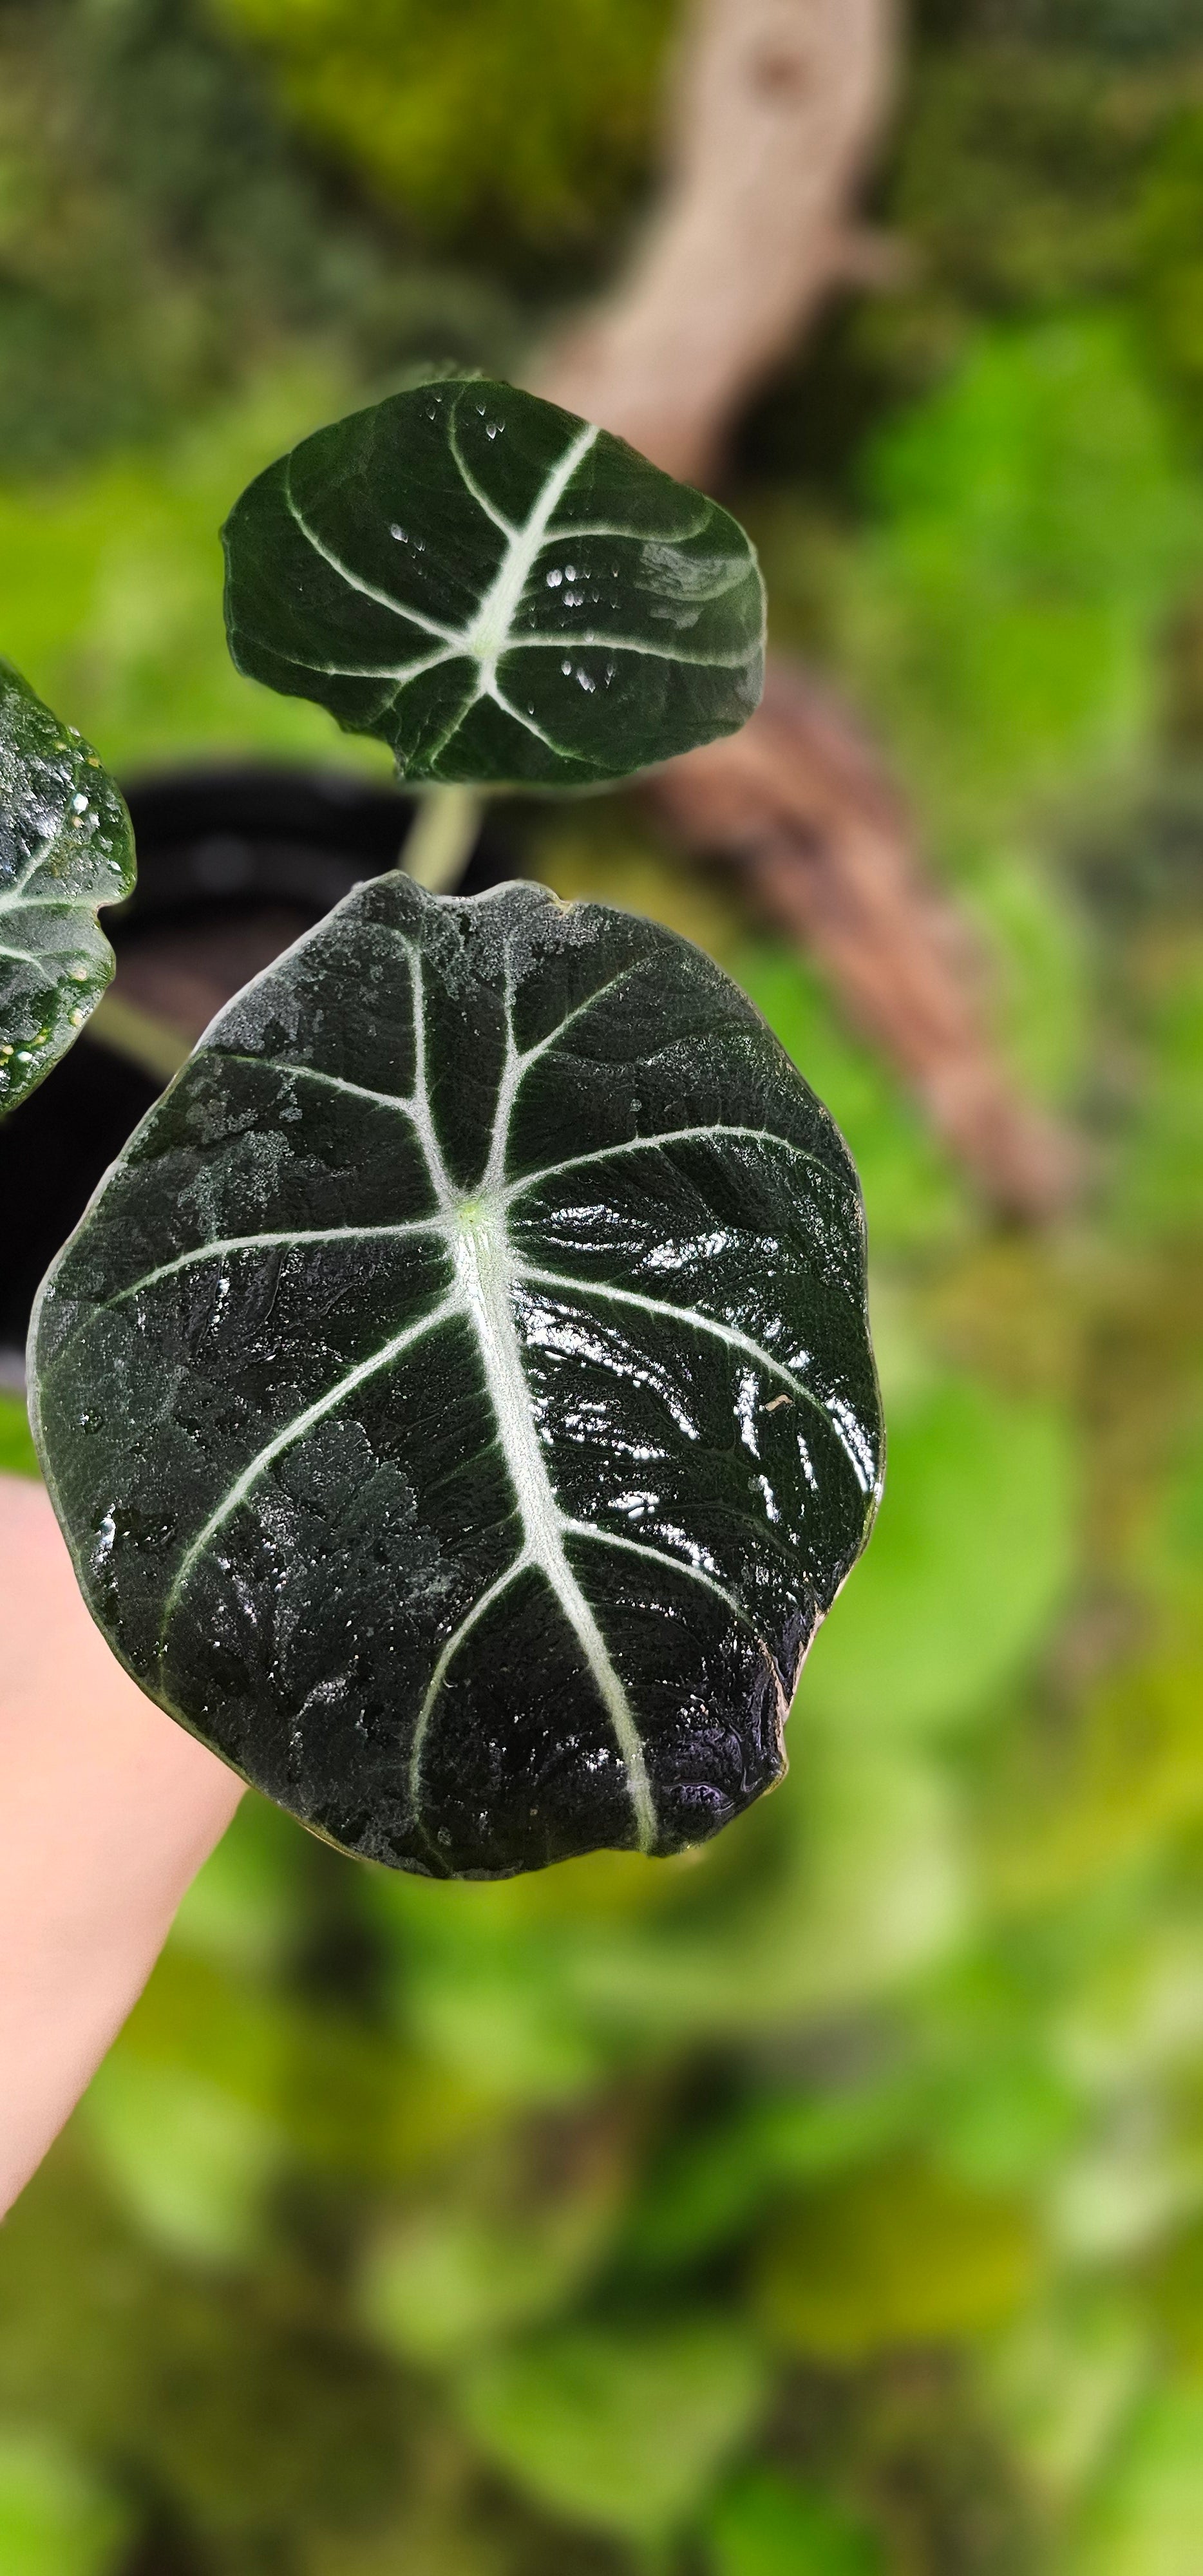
697	1321
287	1240
56	903
694	1574
573	528
446	1310
570	641
530	725
450	1650
403	672
667	1136
356	581
395	1100
474	489
15	894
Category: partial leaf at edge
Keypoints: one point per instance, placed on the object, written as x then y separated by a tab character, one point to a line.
498	590
459	1400
65	849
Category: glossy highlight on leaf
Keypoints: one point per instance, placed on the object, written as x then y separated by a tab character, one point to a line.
459	1400
65	849
500	591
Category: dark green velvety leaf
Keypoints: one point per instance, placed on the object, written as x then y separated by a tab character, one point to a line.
65	849
499	591
459	1399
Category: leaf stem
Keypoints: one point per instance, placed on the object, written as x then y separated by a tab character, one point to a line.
441	838
139	1036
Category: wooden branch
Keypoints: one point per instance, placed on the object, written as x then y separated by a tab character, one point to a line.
799	803
775	106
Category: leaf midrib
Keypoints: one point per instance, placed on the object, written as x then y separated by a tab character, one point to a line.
488	1275
488	636
484	1270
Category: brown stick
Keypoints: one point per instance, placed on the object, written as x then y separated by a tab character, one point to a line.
777	103
799	803
773	108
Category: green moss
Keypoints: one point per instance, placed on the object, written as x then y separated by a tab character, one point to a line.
529	125
162	237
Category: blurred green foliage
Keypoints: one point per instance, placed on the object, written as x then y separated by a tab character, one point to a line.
113	582
474	115
18	1456
620	2427
768	2525
54	2519
160	240
830	2200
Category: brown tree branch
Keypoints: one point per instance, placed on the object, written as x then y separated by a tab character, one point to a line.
798	802
776	106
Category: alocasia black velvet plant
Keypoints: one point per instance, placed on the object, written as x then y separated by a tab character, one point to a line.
458	1398
65	849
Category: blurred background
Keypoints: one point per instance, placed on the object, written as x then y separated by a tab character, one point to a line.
828	2202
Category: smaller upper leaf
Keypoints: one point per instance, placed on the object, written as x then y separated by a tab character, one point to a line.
501	592
66	847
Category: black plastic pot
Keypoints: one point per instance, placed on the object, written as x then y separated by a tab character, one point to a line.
213	844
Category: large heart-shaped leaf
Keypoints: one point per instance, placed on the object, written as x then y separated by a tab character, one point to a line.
65	848
497	589
459	1399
